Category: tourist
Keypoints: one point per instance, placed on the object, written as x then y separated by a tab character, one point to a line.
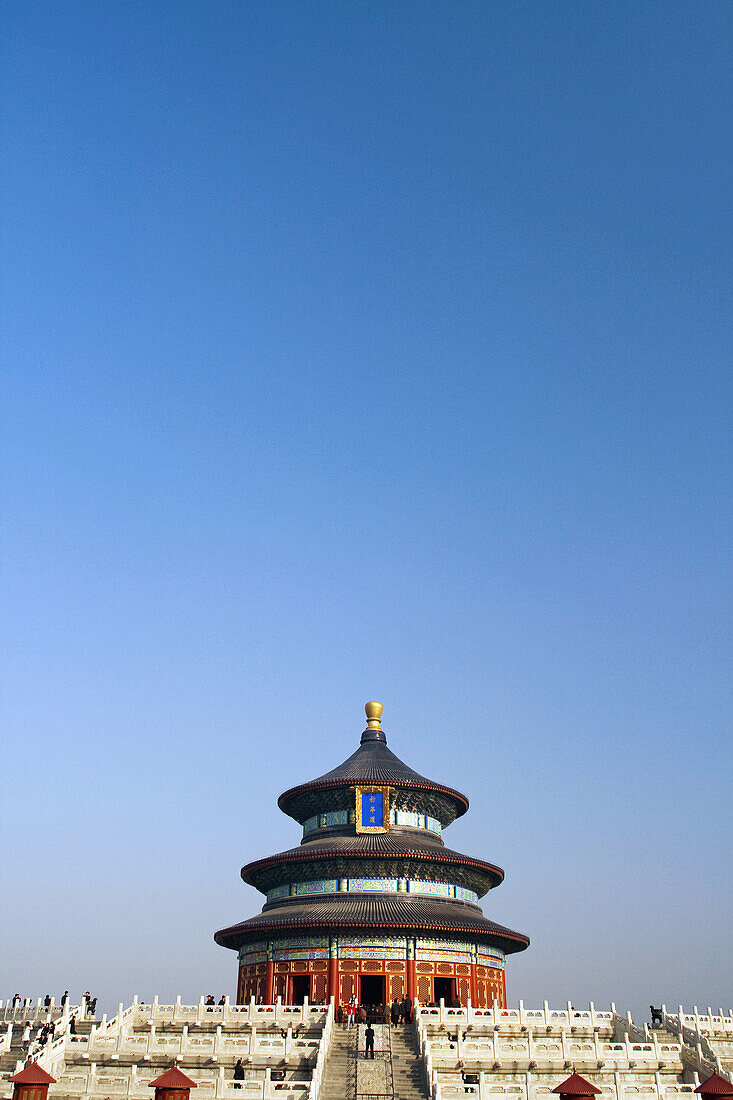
222	999
369	1035
92	1006
47	1001
238	1074
26	1038
65	998
351	1012
210	1000
72	1026
16	999
394	1012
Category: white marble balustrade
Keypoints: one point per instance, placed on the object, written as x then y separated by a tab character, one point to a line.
248	1043
96	1082
449	1086
230	1015
518	1019
593	1051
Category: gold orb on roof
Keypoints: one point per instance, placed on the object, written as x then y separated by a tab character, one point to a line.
374	714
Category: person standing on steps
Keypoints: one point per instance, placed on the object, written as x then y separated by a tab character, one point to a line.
394	1012
238	1074
369	1034
351	1012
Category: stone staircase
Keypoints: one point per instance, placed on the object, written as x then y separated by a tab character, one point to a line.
339	1081
664	1036
408	1072
340	1076
9	1059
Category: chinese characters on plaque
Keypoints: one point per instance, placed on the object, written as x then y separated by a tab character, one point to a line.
372	809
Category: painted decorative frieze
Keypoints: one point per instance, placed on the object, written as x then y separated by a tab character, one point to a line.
339	818
372	885
491	956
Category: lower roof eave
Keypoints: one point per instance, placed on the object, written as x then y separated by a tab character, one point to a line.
276	923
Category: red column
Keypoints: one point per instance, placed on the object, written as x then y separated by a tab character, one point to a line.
332	989
411	979
474	988
411	975
270	983
333	981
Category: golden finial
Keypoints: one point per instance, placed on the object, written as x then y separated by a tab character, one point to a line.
374	715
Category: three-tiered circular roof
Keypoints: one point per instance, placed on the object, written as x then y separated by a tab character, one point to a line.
401	852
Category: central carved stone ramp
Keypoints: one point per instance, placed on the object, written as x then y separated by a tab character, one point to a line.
407	1068
339	1078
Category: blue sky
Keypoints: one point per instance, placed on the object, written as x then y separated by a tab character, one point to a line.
366	351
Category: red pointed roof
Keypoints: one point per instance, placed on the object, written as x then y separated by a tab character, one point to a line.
173	1079
714	1086
33	1074
575	1085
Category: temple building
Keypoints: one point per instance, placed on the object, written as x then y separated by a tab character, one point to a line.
372	902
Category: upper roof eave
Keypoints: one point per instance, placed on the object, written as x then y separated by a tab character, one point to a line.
372	762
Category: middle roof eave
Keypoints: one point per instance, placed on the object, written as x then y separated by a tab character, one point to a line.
372	847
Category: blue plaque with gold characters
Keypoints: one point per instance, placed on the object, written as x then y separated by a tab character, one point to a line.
372	809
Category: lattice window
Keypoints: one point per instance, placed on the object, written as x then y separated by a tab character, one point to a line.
424	968
349	964
319	988
371	966
424	989
396	966
464	990
444	968
318	965
463	968
346	986
396	986
282	968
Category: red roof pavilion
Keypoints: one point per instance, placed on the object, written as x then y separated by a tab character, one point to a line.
33	1074
714	1086
173	1079
575	1085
